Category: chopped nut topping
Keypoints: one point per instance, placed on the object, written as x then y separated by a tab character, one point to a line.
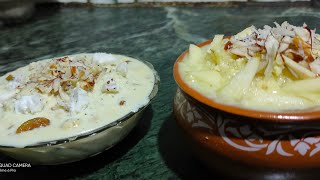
66	73
121	103
9	77
295	46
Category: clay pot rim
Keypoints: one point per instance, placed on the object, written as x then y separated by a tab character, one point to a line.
294	116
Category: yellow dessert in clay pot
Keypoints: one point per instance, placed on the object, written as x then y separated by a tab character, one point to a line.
272	69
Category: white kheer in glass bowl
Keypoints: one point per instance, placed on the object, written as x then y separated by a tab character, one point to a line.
66	109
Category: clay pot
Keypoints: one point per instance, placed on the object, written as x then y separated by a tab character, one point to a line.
247	143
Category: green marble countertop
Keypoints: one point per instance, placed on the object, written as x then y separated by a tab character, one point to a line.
155	149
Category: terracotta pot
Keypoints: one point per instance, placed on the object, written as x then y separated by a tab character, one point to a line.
248	143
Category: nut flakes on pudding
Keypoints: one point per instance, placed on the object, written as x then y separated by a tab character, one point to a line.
270	69
63	97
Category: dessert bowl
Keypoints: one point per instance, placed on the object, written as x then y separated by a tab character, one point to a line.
244	141
101	133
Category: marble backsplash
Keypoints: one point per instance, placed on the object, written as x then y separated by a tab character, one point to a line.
144	1
16	11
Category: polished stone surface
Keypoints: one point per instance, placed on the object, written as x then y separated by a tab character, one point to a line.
155	149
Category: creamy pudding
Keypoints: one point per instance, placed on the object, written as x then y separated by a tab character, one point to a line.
63	97
270	69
